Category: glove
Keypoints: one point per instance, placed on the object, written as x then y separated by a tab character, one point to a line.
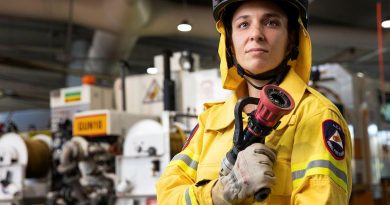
251	172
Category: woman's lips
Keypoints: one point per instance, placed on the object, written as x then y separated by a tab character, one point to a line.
256	50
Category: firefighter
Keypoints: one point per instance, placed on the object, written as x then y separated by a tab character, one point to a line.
305	160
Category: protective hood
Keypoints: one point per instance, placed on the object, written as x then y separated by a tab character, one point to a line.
302	65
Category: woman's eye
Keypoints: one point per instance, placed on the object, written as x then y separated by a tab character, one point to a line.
243	25
272	23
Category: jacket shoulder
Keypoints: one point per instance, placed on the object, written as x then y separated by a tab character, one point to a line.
318	102
209	107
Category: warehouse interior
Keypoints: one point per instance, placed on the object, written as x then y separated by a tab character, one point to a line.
63	62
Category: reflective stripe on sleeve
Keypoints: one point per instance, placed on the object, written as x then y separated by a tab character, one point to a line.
320	167
189	197
187	161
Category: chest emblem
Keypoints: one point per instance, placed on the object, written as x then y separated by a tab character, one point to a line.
334	138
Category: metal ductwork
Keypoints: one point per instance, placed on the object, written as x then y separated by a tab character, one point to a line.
109	47
116	23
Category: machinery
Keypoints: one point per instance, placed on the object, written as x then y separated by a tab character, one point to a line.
145	93
147	149
24	168
103	156
85	165
86	174
65	102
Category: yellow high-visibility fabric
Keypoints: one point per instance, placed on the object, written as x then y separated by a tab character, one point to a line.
298	141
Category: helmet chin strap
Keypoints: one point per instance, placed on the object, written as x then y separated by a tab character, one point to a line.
254	85
275	75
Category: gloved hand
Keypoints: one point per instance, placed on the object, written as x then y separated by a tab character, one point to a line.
251	172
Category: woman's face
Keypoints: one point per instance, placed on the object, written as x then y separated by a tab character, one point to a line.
259	36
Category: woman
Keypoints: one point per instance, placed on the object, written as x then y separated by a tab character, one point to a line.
305	160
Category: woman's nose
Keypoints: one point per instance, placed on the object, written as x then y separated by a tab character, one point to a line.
256	33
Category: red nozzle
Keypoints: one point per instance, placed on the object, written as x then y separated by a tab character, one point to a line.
273	104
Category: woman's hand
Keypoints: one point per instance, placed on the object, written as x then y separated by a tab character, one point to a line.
251	172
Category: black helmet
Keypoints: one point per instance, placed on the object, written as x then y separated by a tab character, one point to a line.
301	5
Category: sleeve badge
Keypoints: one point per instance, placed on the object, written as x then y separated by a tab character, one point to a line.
334	138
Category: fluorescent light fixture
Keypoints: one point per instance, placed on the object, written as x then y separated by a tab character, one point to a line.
184	26
360	74
386	23
152	70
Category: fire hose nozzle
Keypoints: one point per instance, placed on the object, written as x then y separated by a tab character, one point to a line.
273	104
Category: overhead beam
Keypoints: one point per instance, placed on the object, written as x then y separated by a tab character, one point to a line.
51	67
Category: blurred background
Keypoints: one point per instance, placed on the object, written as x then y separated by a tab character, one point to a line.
62	64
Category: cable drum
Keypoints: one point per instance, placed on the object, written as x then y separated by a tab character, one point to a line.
39	158
34	154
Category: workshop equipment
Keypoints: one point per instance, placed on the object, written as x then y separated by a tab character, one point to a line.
85	164
148	147
24	167
274	102
65	102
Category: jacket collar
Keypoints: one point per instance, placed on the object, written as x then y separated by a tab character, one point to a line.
223	115
296	87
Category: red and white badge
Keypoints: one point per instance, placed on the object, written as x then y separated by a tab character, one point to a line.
334	138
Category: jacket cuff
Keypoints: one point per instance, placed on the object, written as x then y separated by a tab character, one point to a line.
203	191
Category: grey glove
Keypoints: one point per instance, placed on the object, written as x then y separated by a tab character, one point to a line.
251	172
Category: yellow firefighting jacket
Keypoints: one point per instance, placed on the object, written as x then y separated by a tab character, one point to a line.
313	153
313	145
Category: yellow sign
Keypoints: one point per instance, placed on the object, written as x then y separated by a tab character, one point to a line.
94	125
154	93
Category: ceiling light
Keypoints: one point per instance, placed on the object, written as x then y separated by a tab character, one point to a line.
360	74
386	23
152	70
184	26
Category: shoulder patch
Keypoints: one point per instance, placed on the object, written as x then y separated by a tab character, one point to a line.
334	138
190	137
